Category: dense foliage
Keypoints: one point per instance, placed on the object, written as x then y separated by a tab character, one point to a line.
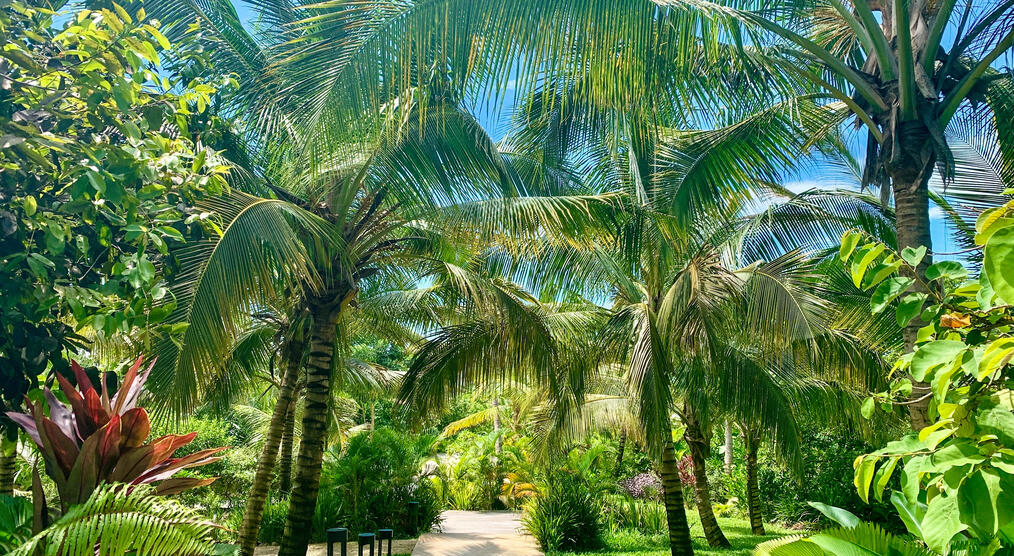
99	172
956	481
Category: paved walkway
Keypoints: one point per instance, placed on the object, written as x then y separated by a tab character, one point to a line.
478	534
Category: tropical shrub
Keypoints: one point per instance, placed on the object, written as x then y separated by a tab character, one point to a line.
121	519
827	457
957	473
365	487
101	438
626	512
567	515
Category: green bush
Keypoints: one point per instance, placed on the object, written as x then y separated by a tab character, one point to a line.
623	511
827	478
366	487
567	516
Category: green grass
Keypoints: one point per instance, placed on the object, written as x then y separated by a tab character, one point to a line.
634	543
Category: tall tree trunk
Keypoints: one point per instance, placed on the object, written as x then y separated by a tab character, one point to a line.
728	448
254	511
753	502
285	450
619	454
910	169
8	456
303	500
498	445
699	449
680	543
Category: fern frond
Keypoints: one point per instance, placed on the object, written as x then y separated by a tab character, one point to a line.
119	519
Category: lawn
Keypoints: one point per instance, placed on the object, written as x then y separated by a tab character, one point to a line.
633	543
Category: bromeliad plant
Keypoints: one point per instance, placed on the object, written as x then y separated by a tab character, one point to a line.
101	437
957	473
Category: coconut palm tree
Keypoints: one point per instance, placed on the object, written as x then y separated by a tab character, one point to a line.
909	72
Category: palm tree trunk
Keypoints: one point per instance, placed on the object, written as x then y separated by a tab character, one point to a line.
675	512
285	451
910	171
303	500
8	456
619	454
753	502
699	448
498	445
254	511
728	447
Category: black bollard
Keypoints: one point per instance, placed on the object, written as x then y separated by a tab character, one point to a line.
413	517
364	540
340	535
383	534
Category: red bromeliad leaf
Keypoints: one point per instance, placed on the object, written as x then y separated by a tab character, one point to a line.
84	477
126	385
64	450
133	462
62	416
26	422
170	467
84	384
77	404
130	391
95	415
164	447
135	427
179	484
109	445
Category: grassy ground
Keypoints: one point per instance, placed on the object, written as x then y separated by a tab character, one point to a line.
633	543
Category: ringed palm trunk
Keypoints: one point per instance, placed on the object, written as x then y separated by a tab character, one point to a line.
728	448
680	543
8	455
306	481
699	448
753	502
254	511
910	168
285	451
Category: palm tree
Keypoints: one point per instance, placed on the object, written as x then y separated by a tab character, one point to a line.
885	64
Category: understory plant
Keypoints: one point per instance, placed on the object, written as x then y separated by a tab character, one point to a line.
99	436
567	515
957	473
120	519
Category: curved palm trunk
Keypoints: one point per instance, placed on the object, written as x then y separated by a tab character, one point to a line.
254	511
8	455
728	448
285	451
303	500
753	502
619	454
699	448
910	171
675	512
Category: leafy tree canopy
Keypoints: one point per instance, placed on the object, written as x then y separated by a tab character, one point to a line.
99	171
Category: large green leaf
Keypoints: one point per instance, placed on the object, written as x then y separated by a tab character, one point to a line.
933	355
942	522
998	263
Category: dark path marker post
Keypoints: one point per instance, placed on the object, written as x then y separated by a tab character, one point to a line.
413	517
382	535
340	535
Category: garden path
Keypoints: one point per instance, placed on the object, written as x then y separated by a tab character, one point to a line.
478	534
